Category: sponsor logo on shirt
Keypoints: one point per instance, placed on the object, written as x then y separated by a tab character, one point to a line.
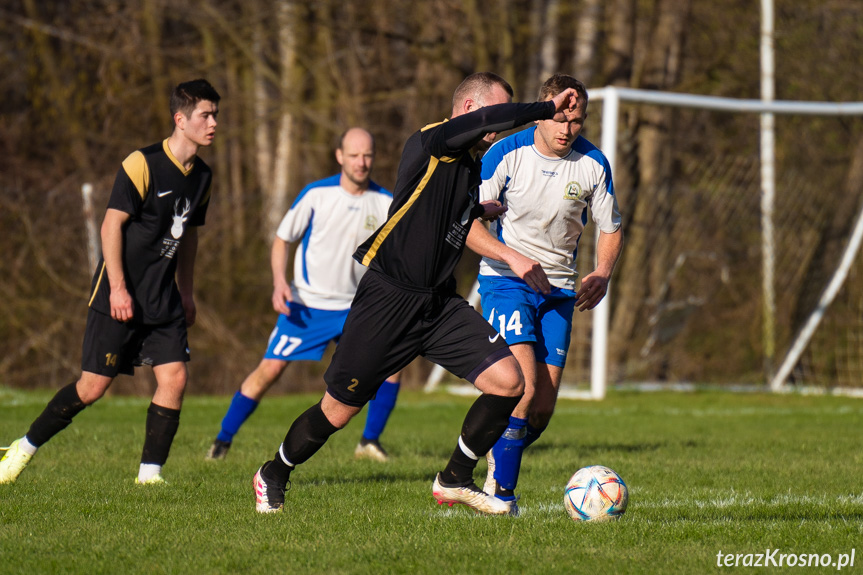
163	194
573	191
549	173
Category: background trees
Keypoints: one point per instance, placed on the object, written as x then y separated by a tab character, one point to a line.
85	82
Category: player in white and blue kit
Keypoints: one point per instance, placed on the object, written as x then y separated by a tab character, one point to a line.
547	176
326	222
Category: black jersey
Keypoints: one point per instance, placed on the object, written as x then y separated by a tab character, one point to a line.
435	196
164	200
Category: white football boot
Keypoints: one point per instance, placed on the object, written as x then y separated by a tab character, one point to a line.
371	450
469	495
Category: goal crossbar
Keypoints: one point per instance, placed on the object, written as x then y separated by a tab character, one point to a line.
611	96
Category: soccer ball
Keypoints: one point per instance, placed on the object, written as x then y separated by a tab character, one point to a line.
595	493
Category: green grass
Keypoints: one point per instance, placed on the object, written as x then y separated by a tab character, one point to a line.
706	472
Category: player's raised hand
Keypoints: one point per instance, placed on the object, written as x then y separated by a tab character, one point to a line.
282	296
493	210
565	102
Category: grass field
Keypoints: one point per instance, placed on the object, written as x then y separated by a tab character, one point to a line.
707	472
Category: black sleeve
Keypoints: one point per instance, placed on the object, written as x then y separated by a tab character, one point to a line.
463	132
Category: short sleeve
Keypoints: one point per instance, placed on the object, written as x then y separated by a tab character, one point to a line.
131	184
298	218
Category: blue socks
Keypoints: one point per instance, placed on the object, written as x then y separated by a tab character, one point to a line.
379	410
507	452
239	411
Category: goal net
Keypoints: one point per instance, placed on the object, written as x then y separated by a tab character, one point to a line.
689	303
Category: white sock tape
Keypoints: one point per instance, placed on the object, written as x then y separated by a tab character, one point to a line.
466	450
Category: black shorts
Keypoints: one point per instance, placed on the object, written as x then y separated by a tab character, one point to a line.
112	347
391	324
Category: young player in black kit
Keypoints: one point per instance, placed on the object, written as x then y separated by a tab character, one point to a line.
142	301
406	304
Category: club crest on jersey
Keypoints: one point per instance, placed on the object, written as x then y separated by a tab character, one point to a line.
573	191
180	218
371	223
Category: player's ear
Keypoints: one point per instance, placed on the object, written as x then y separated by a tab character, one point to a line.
180	120
339	156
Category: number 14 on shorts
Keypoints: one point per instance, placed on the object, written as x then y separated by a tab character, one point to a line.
503	326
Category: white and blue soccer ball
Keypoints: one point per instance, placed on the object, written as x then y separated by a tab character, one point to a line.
595	493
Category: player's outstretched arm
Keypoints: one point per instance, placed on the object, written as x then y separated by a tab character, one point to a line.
122	308
594	285
483	243
282	295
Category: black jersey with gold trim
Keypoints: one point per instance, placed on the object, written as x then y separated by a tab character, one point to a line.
435	196
163	200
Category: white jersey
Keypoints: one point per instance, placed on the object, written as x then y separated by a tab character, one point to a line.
547	200
331	223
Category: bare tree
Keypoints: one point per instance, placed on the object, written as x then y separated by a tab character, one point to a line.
646	237
587	40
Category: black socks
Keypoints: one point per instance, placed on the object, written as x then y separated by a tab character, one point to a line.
56	416
483	425
306	436
162	424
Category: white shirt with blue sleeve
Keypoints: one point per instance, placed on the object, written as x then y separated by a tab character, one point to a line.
330	223
547	200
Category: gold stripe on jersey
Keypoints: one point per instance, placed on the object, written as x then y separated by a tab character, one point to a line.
96	289
135	166
174	158
373	250
430	126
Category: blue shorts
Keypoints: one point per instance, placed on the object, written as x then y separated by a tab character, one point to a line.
523	315
305	334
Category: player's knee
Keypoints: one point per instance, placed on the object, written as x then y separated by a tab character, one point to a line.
336	412
510	382
91	389
504	378
516	379
172	378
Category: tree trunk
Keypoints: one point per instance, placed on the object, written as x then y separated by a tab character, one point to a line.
548	42
646	236
277	204
587	41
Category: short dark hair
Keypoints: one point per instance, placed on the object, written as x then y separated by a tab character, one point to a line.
477	85
560	82
186	96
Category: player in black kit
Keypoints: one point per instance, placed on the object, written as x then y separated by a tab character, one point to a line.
406	305
141	302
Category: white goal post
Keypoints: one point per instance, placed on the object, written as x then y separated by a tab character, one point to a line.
611	97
